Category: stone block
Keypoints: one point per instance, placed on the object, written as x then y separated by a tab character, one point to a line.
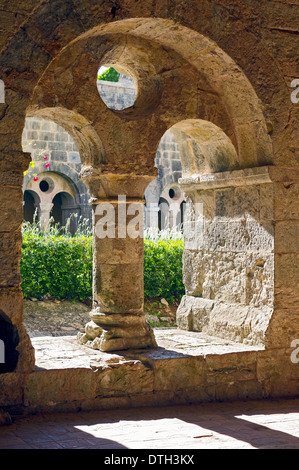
11	209
283	328
241	323
193	272
11	304
57	155
175	374
287	236
74	157
46	389
277	373
234	235
120	377
247	202
230	368
46	136
26	359
286	280
224	203
193	313
10	254
32	135
11	389
119	290
286	198
58	146
61	137
266	202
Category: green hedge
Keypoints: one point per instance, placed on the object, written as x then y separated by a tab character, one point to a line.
61	267
163	269
58	266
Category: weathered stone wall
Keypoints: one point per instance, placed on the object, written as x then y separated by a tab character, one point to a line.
229	257
43	137
117	95
168	160
220	73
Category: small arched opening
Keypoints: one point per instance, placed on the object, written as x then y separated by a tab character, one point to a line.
63	211
30	206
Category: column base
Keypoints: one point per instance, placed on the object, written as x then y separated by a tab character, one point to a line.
116	332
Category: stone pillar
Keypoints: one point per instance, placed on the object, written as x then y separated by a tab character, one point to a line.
152	215
117	318
45	212
230	254
19	354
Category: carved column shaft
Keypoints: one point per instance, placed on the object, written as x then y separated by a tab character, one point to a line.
117	319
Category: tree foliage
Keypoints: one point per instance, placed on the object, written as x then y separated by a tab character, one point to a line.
110	75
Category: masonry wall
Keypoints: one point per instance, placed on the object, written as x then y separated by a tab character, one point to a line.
230	63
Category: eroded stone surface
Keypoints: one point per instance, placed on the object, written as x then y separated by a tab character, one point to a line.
227	66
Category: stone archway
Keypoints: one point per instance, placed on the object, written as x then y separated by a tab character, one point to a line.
31	205
46	187
222	95
115	145
228	255
63	211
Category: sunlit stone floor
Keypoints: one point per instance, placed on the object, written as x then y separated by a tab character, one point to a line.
64	352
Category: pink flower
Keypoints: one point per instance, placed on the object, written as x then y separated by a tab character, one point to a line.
35	178
45	157
47	165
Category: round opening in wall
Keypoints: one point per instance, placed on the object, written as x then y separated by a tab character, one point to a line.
174	193
44	186
116	88
171	193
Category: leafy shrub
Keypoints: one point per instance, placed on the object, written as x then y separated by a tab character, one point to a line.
110	75
59	265
163	269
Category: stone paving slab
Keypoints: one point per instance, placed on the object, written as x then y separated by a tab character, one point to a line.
240	425
63	352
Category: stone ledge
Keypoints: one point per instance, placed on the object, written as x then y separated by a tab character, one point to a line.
64	352
70	376
246	177
185	368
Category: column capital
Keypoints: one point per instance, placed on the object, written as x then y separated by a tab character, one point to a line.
108	186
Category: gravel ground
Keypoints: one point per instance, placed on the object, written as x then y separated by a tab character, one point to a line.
59	318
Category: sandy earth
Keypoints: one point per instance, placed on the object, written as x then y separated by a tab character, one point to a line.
57	318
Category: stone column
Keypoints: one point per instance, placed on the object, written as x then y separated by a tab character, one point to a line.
19	354
117	318
152	215
44	213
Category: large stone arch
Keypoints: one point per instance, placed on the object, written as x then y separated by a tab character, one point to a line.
204	148
149	50
50	27
219	75
87	140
